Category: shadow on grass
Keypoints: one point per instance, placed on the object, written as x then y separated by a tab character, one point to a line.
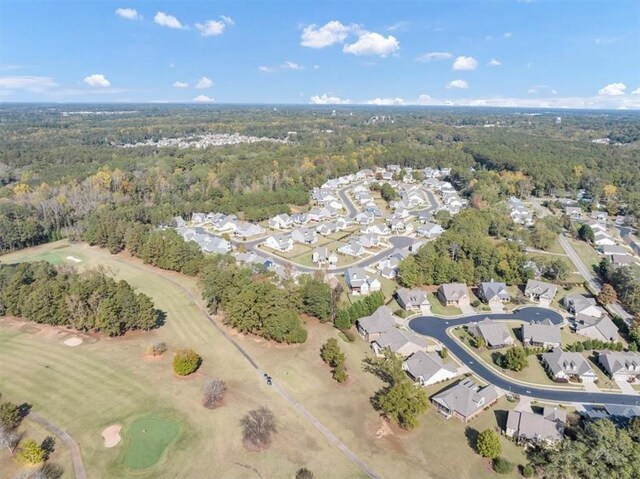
472	437
501	418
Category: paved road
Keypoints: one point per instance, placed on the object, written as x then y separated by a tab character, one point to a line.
76	456
276	386
436	328
595	284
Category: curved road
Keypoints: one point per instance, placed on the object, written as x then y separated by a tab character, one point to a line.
436	327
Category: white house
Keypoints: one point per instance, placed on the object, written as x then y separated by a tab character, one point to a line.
279	242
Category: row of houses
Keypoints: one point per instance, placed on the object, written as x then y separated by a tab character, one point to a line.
495	293
496	334
520	214
208	243
222	223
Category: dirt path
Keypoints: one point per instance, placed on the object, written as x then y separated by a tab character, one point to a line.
337	443
76	456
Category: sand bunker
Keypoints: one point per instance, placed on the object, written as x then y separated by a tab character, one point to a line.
73	342
111	435
74	259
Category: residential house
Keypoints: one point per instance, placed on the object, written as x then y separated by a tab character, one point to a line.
198	218
613	249
361	282
318	214
573	212
602	328
465	400
396	341
342	223
368	240
413	300
540	291
371	327
541	334
566	366
352	248
222	222
603	239
364	218
528	427
579	304
322	256
621	415
621	366
376	229
621	259
454	294
430	230
179	222
245	230
300	218
600	216
495	333
326	229
281	242
416	245
304	235
426	369
281	222
494	293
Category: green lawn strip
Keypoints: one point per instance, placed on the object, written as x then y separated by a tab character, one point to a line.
438	308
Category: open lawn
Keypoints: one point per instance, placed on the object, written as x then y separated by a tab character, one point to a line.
588	255
109	381
438	308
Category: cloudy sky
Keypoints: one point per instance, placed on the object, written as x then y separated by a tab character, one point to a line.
500	52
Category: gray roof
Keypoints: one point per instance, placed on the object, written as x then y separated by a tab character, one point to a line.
541	332
466	397
572	364
495	333
578	302
426	365
604	325
540	288
614	249
535	426
380	321
393	339
411	297
491	289
454	291
616	362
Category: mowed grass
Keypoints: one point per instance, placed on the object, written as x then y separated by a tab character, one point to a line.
146	440
110	381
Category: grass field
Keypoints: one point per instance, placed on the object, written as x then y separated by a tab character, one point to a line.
588	255
438	308
146	440
109	381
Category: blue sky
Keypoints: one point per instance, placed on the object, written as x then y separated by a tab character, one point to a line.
497	53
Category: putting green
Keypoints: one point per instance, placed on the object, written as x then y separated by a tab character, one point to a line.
146	440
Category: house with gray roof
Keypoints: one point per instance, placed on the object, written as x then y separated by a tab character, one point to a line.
246	230
281	242
280	222
371	327
579	304
573	212
621	365
540	291
395	341
614	249
495	333
528	427
567	366
413	300
454	294
322	255
304	235
361	282
430	230
541	334
494	293
602	329
426	369
465	400
352	248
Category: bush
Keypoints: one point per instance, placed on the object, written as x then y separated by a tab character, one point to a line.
185	362
157	349
527	470
10	416
401	313
348	335
213	392
340	373
502	466
475	303
304	473
30	453
488	444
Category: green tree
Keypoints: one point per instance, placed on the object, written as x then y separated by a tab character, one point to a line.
501	465
316	298
10	416
30	453
331	354
185	362
515	359
488	444
585	232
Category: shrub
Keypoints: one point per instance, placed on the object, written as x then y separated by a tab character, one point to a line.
527	470
443	353
304	473
488	444
30	453
401	313
10	416
213	392
348	335
157	349
502	466
185	362
340	373
475	303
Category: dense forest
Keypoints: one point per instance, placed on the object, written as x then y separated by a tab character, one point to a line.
59	170
89	301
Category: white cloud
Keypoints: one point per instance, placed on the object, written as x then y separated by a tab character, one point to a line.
203	99
128	13
203	83
460	84
97	80
465	63
636	91
329	34
316	67
211	28
401	26
494	63
554	91
371	43
328	100
181	84
423	99
228	20
168	21
608	40
30	83
613	89
265	69
292	66
427	57
386	101
508	35
531	91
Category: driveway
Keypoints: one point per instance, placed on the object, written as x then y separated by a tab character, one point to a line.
626	387
467	309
